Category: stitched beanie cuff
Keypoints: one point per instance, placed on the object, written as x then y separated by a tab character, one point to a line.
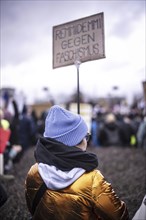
65	126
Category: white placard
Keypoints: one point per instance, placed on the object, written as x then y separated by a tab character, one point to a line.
81	40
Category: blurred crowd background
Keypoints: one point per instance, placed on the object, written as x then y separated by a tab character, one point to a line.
112	121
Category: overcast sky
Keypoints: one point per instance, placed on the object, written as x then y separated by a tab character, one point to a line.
26	47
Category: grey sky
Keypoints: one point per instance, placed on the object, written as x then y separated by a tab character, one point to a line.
26	34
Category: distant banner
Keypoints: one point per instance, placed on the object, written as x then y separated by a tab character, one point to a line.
80	40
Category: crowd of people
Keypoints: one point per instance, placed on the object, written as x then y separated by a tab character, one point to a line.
108	128
115	128
22	131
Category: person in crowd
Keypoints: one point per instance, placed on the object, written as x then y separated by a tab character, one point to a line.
34	121
127	131
41	123
3	122
27	129
141	134
14	148
95	126
136	120
4	139
65	183
14	124
94	131
109	132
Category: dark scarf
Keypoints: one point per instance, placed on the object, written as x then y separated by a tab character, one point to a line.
65	158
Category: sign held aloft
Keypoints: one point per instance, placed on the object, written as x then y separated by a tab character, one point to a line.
82	40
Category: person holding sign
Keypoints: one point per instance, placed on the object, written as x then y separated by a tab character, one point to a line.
65	183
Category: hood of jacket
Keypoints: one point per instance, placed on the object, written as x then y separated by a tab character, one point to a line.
56	179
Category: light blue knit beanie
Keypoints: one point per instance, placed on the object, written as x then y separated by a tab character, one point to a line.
65	126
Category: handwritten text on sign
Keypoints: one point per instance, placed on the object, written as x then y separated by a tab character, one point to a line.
81	40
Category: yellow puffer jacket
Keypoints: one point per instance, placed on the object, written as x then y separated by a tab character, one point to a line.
90	197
